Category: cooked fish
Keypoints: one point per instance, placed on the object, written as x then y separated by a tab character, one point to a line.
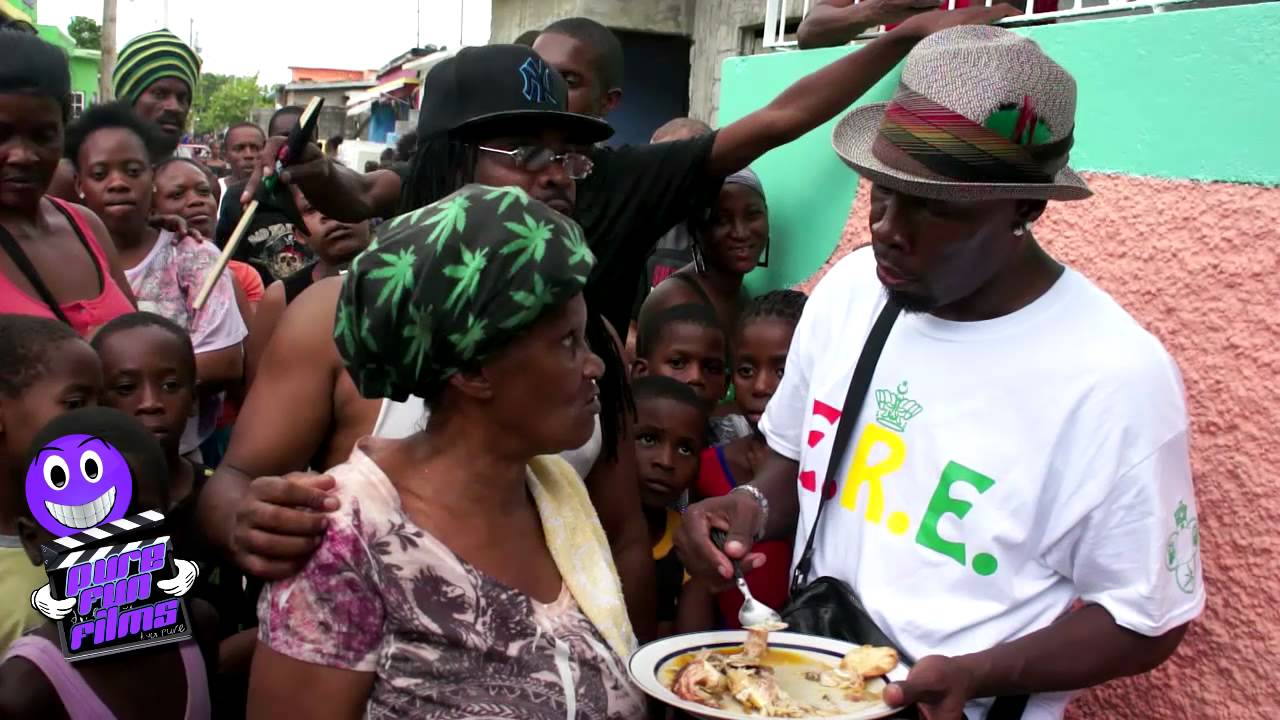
700	681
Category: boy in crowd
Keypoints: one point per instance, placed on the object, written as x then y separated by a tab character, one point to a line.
45	370
670	433
334	243
149	372
685	343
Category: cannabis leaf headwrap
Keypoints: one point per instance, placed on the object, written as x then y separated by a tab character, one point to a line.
444	287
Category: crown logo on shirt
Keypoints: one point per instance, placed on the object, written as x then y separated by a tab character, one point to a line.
895	408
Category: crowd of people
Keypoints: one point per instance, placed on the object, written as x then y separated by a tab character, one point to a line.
451	441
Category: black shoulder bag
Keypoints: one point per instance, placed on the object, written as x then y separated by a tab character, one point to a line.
828	606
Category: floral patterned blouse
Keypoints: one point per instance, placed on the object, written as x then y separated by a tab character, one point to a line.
382	595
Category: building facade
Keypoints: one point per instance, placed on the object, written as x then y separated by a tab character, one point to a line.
85	67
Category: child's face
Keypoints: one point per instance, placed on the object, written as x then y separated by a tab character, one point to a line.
693	354
146	375
669	437
72	380
761	356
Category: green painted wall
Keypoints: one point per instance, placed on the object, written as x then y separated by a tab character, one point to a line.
84	64
1185	94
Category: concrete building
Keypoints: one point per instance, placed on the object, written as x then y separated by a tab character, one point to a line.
712	30
85	67
321	75
336	94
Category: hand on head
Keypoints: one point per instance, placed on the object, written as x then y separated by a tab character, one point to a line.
925	24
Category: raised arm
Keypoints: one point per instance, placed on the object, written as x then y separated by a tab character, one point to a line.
836	22
821	95
332	188
284	420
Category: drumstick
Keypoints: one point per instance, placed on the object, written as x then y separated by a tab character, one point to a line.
212	278
297	139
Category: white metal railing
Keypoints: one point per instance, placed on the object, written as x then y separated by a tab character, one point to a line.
778	12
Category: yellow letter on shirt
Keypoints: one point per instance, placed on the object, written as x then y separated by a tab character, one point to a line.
860	471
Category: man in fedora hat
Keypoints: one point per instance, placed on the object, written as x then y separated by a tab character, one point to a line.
1023	444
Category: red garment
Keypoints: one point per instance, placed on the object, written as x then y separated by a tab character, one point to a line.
248	279
1037	6
769	584
85	316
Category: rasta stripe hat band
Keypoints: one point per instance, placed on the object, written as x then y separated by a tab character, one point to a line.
500	86
981	113
444	287
150	57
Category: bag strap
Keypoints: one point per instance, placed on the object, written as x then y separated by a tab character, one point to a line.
19	258
853	400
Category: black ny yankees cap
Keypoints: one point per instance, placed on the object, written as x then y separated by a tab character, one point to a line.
498	87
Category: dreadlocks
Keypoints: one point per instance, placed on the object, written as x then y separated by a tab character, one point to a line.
441	166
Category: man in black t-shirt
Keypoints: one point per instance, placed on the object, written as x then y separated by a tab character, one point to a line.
269	245
633	195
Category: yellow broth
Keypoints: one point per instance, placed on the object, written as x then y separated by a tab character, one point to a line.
789	670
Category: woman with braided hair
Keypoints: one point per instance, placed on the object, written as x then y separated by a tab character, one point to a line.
760	347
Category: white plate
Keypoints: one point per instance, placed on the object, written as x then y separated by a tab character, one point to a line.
647	664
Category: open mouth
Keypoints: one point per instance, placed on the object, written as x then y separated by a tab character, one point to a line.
83	517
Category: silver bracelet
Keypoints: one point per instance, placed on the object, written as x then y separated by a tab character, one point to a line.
762	501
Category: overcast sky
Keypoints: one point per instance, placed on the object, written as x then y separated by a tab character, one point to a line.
243	37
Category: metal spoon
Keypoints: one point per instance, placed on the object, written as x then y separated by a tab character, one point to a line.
753	611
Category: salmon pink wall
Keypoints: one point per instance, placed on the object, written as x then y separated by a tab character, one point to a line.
1198	264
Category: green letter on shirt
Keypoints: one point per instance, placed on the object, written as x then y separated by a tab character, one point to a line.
942	503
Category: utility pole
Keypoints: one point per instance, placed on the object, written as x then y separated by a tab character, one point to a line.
417	38
106	90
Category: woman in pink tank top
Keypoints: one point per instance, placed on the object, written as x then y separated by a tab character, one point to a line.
56	259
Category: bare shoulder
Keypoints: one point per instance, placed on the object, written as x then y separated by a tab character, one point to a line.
309	319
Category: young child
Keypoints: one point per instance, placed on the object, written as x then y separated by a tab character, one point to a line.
45	370
687	343
760	355
670	433
166	681
334	243
149	372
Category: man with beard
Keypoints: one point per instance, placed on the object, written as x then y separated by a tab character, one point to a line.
156	73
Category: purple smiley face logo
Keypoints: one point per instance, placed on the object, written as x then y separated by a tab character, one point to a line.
78	482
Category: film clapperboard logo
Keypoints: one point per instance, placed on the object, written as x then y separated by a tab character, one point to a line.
112	589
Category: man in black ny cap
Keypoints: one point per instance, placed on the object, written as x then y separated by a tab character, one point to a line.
632	195
496	115
303	410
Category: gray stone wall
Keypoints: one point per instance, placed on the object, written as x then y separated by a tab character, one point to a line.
513	17
719	27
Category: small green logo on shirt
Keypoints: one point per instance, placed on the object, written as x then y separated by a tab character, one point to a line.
1182	553
895	408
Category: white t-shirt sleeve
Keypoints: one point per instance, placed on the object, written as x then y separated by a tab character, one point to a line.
1137	553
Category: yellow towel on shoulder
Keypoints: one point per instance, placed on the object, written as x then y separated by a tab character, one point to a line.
580	549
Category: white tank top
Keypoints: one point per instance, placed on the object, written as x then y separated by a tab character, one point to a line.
402	419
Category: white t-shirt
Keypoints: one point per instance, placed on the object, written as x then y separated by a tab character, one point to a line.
998	471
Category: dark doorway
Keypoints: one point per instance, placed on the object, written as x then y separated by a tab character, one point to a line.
655	85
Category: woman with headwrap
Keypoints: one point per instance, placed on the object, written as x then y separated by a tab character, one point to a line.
465	573
56	259
727	244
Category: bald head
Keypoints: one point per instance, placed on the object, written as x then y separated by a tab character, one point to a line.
684	128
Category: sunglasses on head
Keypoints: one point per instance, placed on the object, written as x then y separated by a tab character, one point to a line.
536	158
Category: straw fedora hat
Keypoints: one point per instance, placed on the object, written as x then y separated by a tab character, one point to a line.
981	113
